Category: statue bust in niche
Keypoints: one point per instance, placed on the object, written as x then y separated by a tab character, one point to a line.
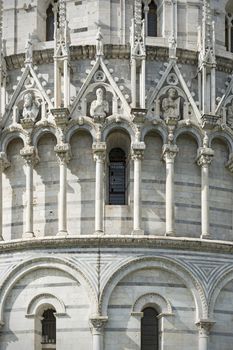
30	107
171	104
230	114
99	107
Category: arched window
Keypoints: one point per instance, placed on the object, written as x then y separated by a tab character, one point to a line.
49	23
48	324
150	15
149	329
117	177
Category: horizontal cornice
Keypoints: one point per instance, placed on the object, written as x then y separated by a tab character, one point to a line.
116	52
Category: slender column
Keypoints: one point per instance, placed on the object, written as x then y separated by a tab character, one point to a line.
99	150
63	155
97	324
213	92
169	154
66	83
204	158
3	164
28	153
137	156
204	327
134	82
204	87
142	83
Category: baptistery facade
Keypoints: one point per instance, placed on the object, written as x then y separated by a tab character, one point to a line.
116	175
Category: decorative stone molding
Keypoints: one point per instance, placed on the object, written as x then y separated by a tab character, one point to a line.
29	155
209	121
63	152
4	163
99	151
138	115
229	164
60	116
37	303
98	323
137	150
204	326
152	299
169	152
204	156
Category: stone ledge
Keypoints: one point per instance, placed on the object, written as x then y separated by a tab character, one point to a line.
94	241
116	52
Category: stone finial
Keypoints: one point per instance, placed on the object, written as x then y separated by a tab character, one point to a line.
99	43
28	51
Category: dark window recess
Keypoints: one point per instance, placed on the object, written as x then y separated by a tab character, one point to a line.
79	30
77	3
117	174
232	38
49	23
152	20
149	330
48	327
226	34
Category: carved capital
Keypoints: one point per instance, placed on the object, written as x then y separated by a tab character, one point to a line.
229	164
63	153
137	150
204	326
27	123
98	322
4	163
99	151
169	152
138	115
204	156
29	155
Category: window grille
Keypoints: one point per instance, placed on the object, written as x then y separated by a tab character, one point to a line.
48	327
117	176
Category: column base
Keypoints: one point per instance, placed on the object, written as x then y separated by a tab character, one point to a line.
137	232
170	234
62	233
205	236
99	233
28	235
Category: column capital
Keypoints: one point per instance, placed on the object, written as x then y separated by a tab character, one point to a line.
204	156
169	152
99	151
4	163
60	116
29	155
63	153
98	323
204	326
137	150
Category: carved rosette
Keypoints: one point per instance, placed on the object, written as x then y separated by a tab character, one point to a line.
99	151
63	153
4	163
169	152
204	327
29	155
204	156
137	150
98	323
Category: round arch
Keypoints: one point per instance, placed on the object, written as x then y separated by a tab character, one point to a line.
224	137
88	127
151	262
42	300
193	132
157	129
122	126
41	131
10	136
48	262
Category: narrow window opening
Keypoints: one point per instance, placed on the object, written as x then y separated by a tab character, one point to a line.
152	20
117	177
48	327
49	23
149	329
